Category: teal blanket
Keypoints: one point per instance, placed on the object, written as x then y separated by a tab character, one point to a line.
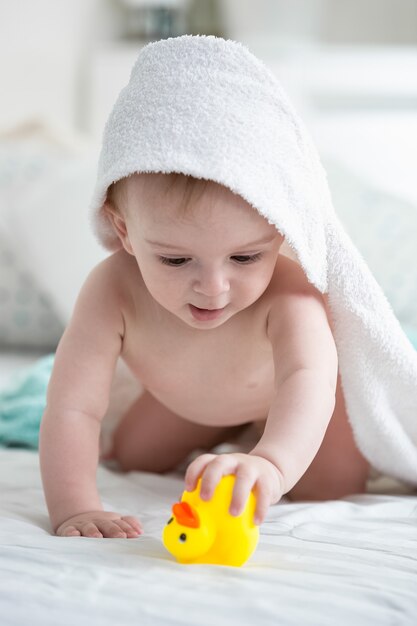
23	402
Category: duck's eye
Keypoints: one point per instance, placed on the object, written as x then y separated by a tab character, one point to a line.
183	537
171	519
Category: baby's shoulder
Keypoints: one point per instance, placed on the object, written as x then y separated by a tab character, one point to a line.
118	266
290	292
288	278
294	301
115	274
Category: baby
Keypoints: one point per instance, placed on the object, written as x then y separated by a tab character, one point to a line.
222	329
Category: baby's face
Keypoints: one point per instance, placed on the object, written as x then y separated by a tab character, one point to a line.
206	265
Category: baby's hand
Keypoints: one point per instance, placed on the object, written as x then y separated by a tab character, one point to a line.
252	472
100	524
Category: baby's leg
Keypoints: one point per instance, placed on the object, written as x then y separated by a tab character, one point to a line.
338	469
152	438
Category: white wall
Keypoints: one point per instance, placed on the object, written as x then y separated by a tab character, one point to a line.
377	21
47	47
337	21
61	61
43	45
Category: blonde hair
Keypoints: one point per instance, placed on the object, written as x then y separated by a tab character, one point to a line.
183	187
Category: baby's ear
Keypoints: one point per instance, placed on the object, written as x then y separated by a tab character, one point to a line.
119	225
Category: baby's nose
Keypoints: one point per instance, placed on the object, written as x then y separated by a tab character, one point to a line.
212	283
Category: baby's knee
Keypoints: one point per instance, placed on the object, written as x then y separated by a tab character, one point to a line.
332	487
135	451
124	449
132	458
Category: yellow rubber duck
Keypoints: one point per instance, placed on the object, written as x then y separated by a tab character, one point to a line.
203	531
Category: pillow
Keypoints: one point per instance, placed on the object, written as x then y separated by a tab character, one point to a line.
384	229
44	211
27	317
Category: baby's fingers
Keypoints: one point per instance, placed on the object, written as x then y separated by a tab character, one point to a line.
263	500
221	465
241	491
68	531
111	529
77	529
128	528
90	529
195	469
134	523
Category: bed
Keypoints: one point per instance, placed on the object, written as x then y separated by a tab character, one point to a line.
340	562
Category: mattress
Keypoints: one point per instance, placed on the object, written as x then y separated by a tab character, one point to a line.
340	562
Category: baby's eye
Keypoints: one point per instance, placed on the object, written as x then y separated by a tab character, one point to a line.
173	262
246	258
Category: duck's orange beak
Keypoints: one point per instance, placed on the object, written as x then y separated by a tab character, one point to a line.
186	515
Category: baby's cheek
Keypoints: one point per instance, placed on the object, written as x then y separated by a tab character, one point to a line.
259	286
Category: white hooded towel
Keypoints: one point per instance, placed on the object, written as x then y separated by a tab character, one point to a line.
206	107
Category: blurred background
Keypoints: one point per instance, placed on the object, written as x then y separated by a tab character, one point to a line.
350	68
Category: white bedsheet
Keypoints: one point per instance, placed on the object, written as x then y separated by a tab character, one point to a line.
352	561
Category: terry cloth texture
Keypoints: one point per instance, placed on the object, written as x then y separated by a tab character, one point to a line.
206	107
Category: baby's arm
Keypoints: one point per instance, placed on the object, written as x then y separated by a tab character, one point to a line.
306	365
305	361
77	399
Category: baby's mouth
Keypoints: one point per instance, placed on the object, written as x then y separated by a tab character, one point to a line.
203	315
